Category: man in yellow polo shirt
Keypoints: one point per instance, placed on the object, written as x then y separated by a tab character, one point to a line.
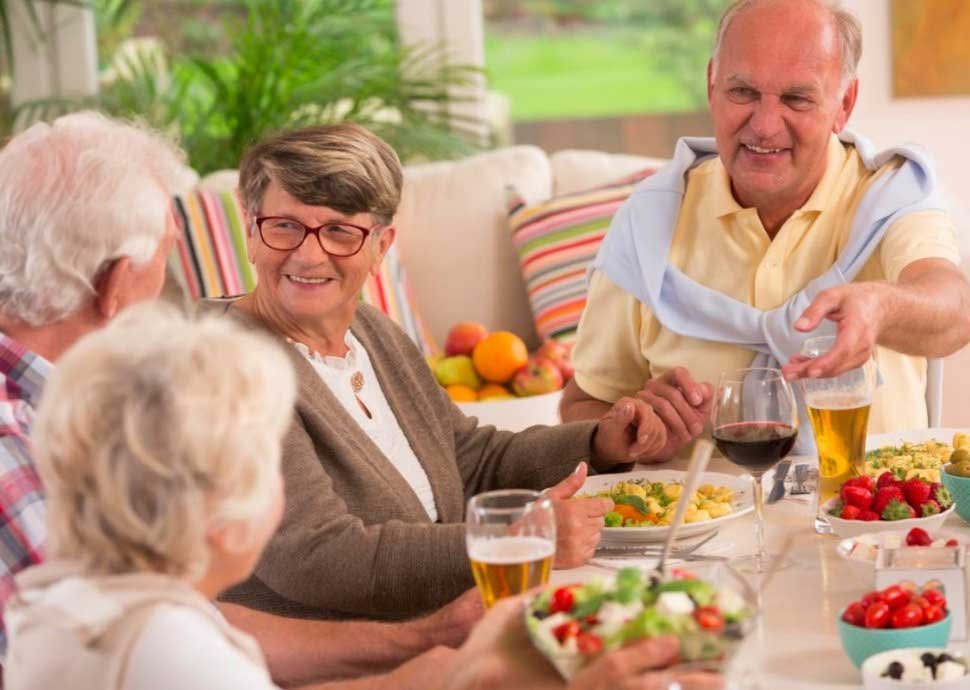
767	215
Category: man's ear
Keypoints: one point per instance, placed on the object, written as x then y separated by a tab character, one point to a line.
110	286
710	79
384	241
846	105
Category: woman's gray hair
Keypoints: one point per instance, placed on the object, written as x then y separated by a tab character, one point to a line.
345	167
75	195
156	429
847	27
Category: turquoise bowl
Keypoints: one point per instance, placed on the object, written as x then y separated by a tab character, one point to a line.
861	643
959	488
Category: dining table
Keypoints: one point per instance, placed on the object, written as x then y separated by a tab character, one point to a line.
795	642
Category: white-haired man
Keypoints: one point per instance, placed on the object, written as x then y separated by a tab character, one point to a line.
781	225
85	230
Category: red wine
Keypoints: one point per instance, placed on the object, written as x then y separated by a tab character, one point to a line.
755	445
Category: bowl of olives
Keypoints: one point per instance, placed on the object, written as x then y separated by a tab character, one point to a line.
956	478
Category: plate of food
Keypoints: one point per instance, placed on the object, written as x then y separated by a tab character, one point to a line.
864	548
573	624
911	454
645	502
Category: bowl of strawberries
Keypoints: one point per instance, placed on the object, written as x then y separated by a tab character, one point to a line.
887	503
898	617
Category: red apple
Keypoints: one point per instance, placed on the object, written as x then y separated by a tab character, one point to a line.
463	337
559	354
538	376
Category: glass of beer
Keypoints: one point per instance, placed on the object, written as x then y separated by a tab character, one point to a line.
511	539
838	408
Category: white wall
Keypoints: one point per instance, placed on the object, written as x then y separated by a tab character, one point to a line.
942	125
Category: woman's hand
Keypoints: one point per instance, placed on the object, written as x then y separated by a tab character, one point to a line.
579	521
630	432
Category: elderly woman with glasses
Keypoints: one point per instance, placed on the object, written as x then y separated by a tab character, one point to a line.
378	462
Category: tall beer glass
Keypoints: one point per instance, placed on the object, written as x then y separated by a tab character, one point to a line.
838	408
511	540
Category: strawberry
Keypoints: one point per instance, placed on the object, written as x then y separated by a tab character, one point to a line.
850	512
857	496
931	507
885	495
898	510
863	480
917	492
868	515
886	479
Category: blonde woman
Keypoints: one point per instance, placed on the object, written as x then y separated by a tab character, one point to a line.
158	441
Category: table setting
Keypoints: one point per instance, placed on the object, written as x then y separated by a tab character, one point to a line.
845	560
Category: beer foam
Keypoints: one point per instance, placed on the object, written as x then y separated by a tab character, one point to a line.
824	400
510	550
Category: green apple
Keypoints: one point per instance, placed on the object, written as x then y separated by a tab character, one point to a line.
457	370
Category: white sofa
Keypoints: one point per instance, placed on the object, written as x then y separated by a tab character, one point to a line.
455	243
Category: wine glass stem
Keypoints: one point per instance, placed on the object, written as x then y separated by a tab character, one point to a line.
759	524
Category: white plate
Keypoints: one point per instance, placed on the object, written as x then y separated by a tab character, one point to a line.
863	548
944	435
854	528
743	503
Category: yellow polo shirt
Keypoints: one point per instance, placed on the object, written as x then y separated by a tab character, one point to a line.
721	245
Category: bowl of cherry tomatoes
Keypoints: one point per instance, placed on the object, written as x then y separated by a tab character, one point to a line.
897	617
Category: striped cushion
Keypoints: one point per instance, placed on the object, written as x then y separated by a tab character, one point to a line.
210	260
556	241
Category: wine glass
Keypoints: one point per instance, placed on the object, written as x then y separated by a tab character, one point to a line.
755	420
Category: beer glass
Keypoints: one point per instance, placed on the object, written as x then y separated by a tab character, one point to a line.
511	540
838	408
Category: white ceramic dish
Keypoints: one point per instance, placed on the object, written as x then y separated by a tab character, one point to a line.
742	504
945	435
873	667
856	528
864	547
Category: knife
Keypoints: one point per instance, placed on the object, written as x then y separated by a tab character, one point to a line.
778	490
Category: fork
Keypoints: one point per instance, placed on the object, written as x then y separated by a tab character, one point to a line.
621	552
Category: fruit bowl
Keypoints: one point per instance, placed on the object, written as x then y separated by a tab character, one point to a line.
861	643
855	528
959	488
516	414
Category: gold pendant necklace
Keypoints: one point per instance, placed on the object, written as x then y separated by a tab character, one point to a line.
357	381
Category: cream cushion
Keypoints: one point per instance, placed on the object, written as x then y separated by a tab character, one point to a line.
576	170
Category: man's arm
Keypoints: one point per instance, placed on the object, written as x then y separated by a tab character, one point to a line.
925	313
300	651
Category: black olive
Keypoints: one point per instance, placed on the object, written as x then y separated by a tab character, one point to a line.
894	671
944	657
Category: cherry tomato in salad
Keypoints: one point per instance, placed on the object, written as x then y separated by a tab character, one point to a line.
562	600
855	614
566	630
878	615
709	618
933	614
895	596
935	597
909	616
588	643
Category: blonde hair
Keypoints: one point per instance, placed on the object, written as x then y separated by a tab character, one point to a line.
74	195
847	27
154	430
345	167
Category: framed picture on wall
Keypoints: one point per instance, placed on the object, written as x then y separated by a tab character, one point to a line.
931	52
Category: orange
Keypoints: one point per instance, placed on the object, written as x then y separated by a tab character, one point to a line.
493	391
499	356
460	393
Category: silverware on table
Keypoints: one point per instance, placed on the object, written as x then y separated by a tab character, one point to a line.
778	489
801	476
624	551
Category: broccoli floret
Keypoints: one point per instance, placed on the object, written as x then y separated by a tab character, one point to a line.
613	519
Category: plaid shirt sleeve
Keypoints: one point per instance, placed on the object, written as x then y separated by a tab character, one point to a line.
23	516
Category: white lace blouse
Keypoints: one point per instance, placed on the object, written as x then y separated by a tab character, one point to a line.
381	426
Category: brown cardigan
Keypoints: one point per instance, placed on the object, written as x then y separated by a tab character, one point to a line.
355	540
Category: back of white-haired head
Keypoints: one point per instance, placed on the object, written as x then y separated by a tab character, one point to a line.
75	195
847	27
155	430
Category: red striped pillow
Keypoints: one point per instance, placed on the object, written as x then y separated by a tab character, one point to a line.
210	260
556	241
